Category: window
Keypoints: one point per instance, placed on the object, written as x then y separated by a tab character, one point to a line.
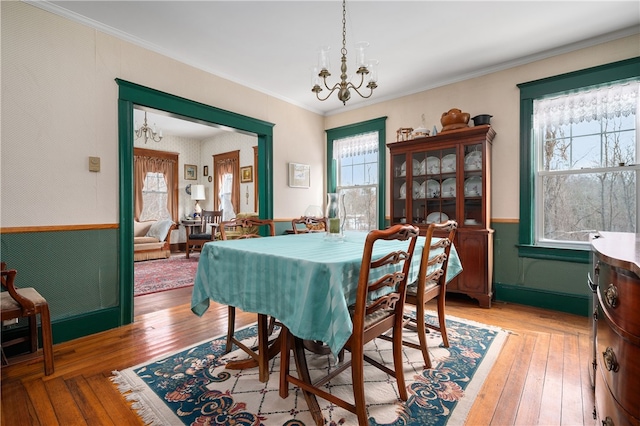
357	180
155	184
579	168
356	168
154	197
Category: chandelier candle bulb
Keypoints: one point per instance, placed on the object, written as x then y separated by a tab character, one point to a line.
361	53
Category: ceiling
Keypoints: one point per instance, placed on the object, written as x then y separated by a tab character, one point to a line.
271	46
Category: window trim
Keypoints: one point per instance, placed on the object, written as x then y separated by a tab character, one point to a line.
374	125
528	92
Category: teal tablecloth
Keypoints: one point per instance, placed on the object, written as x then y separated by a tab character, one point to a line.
303	280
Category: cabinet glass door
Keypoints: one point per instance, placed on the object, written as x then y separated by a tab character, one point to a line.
438	186
399	190
473	190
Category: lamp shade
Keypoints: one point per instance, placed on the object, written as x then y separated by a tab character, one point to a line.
197	192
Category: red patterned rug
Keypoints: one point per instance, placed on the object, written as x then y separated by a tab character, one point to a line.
152	276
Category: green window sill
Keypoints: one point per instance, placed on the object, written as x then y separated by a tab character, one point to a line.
548	253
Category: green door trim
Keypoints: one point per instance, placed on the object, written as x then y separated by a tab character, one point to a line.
131	94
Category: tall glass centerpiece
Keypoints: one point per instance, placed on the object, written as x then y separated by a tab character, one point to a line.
335	207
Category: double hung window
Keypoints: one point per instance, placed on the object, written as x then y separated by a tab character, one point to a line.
579	159
357	180
356	170
586	172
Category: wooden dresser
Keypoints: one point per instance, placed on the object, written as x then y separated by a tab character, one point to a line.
616	268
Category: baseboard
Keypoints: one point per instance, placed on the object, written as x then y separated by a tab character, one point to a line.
86	324
570	303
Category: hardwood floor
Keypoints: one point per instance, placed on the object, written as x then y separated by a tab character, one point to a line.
540	378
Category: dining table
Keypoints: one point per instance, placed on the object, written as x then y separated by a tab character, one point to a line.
305	281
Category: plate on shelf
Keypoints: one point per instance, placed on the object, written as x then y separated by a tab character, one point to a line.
448	188
437	217
473	187
448	163
471	222
423	167
473	161
403	169
433	165
416	168
432	188
403	191
417	190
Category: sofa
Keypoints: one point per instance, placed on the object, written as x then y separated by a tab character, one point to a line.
152	239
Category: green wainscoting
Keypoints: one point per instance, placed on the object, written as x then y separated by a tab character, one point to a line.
550	284
76	271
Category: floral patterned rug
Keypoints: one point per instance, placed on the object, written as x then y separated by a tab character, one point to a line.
192	387
153	276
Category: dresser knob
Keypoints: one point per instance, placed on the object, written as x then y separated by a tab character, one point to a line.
608	421
610	361
611	295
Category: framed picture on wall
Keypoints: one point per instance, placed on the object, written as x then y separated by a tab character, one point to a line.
190	172
205	170
246	174
299	175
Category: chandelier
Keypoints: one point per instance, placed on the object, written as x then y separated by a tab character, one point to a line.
344	87
148	132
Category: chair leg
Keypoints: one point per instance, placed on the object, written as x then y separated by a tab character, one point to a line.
422	334
231	325
442	320
357	378
397	360
47	340
33	334
285	360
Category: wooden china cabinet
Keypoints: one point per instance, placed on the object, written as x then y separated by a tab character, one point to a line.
448	176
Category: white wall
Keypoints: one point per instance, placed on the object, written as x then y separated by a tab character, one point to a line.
59	106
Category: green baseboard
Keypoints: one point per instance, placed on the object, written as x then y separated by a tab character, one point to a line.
571	303
86	324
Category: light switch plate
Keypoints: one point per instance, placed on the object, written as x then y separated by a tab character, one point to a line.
94	164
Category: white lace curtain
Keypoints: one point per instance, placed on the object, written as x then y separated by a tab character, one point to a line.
604	102
366	143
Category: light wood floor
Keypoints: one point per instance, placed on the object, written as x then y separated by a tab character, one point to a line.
540	378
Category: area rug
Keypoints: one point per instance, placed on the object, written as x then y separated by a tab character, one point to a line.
153	276
192	387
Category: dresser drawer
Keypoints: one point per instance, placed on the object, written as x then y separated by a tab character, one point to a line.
608	411
620	291
618	362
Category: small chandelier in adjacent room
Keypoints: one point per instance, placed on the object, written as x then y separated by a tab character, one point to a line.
365	69
148	132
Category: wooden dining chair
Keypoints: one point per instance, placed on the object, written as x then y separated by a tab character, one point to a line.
205	232
431	283
311	224
373	314
253	228
26	302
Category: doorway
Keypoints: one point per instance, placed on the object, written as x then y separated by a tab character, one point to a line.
131	94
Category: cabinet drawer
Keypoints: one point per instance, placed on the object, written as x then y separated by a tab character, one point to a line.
608	411
620	291
619	364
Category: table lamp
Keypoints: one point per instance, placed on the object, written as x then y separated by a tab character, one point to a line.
197	193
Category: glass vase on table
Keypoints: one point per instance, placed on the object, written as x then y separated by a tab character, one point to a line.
335	216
